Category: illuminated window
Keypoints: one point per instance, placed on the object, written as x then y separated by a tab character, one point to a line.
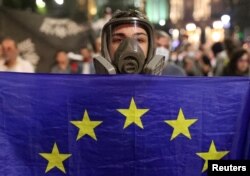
202	9
157	10
177	10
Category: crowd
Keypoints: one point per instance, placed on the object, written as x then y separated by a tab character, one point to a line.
227	58
221	59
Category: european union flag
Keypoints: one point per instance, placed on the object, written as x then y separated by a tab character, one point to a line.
139	125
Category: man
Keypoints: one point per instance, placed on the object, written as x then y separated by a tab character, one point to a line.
62	65
163	44
221	57
128	46
12	62
87	65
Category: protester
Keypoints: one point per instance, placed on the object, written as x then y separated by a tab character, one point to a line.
163	47
191	66
98	25
230	46
87	61
128	46
62	63
206	67
239	64
12	61
221	57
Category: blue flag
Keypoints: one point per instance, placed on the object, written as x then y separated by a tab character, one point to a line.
78	125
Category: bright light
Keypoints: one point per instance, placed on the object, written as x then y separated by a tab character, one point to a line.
190	27
93	11
40	3
217	25
59	2
216	36
225	19
162	22
176	34
171	31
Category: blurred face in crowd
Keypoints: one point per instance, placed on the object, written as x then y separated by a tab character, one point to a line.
86	54
62	58
163	42
10	51
243	63
128	31
188	65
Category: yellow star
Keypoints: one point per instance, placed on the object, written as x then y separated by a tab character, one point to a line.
133	115
55	159
181	125
86	126
212	154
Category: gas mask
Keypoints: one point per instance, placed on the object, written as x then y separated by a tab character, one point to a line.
164	52
129	57
128	48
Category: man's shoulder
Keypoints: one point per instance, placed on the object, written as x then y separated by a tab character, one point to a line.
2	65
26	65
174	70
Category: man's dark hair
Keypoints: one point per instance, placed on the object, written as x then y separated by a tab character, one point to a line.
217	48
129	13
161	33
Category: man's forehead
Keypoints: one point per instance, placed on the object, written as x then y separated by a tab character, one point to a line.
8	42
163	40
129	28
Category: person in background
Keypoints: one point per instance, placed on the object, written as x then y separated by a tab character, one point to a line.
163	47
186	50
221	58
191	66
239	64
62	63
87	61
206	67
230	46
98	25
12	61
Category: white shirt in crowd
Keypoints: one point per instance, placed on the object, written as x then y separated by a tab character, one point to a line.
20	66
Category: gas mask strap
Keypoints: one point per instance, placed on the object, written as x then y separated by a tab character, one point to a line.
103	66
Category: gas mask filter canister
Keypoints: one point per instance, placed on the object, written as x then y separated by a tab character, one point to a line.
129	57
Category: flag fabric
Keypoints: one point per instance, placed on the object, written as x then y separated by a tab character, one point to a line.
86	125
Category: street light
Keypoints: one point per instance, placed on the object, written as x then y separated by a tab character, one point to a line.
59	2
162	22
226	20
217	25
191	27
175	34
40	3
